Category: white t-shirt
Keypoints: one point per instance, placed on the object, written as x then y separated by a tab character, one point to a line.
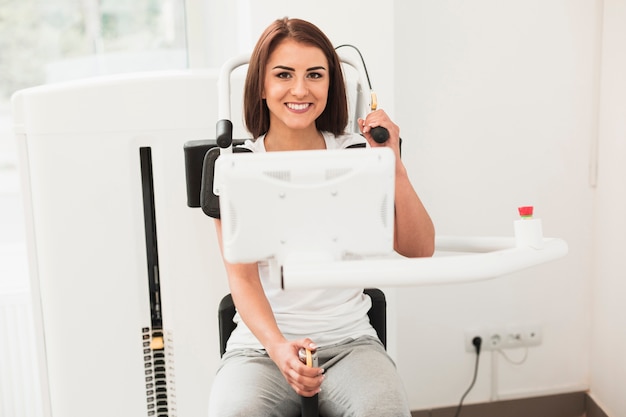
327	316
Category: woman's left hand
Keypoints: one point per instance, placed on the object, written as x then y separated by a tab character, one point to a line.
380	118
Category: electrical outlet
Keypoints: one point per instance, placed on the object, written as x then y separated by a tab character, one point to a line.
504	337
521	335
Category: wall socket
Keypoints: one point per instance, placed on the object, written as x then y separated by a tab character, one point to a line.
504	337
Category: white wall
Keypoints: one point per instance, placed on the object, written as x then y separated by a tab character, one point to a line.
498	103
502	114
608	361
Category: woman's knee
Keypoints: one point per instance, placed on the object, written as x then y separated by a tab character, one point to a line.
236	403
250	385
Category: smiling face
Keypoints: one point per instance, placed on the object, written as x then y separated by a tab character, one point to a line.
295	86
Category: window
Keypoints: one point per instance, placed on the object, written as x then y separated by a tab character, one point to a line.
47	41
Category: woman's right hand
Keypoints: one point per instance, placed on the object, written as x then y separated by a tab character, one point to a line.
304	380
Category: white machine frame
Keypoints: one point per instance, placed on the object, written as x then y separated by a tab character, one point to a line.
470	259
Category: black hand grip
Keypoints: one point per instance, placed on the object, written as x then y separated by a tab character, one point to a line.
380	134
309	406
224	133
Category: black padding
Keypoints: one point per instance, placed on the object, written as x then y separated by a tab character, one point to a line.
209	202
378	313
225	314
194	158
195	151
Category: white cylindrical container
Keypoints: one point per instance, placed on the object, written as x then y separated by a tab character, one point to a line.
528	233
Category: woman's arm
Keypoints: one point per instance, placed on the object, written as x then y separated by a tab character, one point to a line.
256	312
414	232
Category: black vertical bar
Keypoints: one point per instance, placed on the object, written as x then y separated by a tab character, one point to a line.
152	253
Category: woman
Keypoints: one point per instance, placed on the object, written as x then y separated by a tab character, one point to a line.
295	99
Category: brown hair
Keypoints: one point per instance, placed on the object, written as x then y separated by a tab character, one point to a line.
334	118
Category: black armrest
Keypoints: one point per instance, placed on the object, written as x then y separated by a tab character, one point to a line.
195	152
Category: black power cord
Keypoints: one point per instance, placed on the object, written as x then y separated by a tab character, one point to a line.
477	342
379	133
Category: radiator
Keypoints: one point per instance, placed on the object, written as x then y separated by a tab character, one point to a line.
19	375
19	380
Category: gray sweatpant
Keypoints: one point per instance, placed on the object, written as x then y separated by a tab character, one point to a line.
361	381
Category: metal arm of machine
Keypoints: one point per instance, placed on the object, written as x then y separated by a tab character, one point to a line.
469	259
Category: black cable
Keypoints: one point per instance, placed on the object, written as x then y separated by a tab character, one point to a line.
369	84
379	133
477	341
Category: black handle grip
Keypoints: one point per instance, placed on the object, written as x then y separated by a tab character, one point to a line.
224	133
380	134
309	406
